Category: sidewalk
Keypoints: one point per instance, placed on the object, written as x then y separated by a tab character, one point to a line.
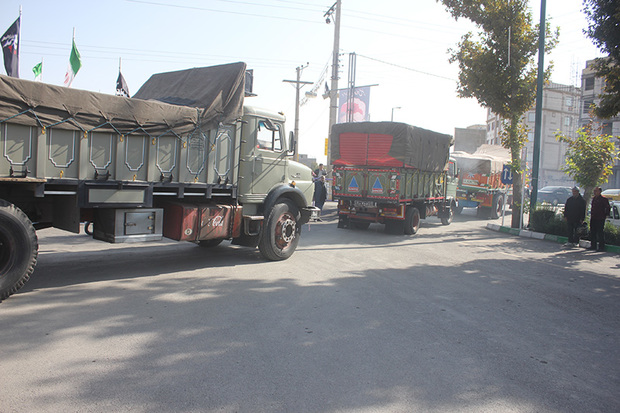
546	237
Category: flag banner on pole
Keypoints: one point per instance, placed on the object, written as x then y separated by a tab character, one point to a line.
75	63
38	71
356	109
121	86
10	48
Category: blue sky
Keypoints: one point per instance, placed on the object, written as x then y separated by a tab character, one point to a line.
401	46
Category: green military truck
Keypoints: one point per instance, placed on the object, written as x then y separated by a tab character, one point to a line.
391	173
183	159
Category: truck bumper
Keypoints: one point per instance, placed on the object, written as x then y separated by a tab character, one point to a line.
309	213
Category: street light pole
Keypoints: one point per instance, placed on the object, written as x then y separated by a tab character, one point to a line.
539	99
333	93
298	85
395	107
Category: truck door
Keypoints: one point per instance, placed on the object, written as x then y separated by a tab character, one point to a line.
269	162
452	179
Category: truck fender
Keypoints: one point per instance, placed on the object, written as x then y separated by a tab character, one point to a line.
292	193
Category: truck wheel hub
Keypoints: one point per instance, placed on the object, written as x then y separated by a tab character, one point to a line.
287	229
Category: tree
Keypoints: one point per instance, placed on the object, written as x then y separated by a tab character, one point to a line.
604	17
589	157
498	67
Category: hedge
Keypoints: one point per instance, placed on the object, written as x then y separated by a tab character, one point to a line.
549	221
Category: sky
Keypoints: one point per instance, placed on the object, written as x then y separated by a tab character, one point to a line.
401	47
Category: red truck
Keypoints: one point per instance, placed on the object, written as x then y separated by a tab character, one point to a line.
391	173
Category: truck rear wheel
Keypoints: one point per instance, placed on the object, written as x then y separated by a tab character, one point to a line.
281	232
412	220
18	249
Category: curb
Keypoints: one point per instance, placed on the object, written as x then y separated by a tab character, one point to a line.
546	237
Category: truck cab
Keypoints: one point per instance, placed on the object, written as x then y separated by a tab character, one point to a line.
266	158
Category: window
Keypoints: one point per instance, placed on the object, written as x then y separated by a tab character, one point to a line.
268	136
586	105
567	120
606	128
531	116
569	101
588	83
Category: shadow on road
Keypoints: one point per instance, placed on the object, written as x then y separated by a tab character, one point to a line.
193	343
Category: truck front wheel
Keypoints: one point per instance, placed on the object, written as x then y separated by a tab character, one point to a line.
281	232
446	218
498	207
18	249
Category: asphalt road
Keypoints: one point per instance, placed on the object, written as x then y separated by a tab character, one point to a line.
455	319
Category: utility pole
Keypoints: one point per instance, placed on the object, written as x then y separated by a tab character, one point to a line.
298	85
539	98
333	93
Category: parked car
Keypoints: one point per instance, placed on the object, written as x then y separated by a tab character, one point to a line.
554	195
612	194
614	214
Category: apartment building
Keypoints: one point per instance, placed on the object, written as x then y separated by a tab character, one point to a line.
560	113
592	88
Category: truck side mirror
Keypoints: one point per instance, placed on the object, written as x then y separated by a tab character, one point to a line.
291	143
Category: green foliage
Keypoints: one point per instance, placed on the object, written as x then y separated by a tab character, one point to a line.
498	66
612	234
589	158
604	19
547	221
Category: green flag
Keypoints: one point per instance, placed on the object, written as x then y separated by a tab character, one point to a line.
75	63
38	71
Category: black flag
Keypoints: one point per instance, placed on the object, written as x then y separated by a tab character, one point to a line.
10	48
121	86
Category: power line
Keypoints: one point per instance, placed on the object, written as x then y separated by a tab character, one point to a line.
178	6
407	68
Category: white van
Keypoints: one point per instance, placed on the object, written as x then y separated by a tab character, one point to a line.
614	214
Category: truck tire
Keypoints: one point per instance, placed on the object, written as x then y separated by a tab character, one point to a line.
412	220
18	249
498	206
447	219
88	228
281	232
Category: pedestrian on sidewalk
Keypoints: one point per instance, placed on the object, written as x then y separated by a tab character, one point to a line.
574	214
598	213
320	192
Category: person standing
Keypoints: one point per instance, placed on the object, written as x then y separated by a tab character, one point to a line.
320	171
598	213
574	213
320	192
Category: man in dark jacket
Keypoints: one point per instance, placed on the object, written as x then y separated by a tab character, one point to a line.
598	214
574	213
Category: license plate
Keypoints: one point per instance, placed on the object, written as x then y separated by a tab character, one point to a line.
364	204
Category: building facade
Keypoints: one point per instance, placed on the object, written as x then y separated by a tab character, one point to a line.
469	139
560	113
592	87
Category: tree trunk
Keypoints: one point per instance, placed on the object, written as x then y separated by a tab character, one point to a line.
515	145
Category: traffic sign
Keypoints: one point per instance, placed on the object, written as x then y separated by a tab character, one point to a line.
507	175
